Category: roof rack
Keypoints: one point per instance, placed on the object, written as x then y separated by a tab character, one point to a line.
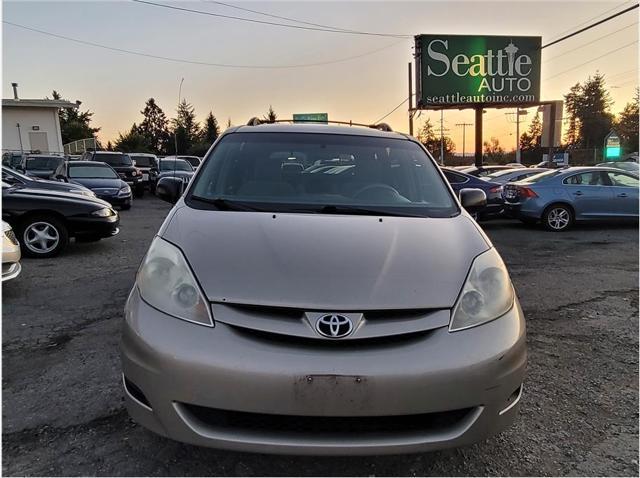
255	121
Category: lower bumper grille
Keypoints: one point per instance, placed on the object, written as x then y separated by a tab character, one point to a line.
321	425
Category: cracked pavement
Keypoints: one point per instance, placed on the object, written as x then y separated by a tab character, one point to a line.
63	410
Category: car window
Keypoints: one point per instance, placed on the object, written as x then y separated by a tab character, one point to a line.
175	164
317	170
144	161
454	178
622	179
591	178
112	159
42	163
89	171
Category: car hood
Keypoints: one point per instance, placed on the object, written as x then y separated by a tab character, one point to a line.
56	194
92	183
327	262
55	185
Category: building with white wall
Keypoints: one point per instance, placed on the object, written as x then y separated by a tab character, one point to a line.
32	124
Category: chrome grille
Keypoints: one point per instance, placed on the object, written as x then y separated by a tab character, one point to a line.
11	236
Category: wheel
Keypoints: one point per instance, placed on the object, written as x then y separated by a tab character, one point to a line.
42	236
557	218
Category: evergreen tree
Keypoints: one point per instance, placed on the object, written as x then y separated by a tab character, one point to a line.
588	107
532	138
271	115
185	127
154	127
74	125
132	142
211	129
627	125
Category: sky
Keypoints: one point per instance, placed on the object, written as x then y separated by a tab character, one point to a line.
360	77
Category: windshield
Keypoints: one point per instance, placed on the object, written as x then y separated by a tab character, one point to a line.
43	163
175	164
310	172
144	161
90	171
112	159
542	176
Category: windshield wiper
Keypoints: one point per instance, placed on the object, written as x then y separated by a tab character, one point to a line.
362	211
226	204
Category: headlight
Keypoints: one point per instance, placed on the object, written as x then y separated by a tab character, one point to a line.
166	282
487	294
124	191
83	192
104	212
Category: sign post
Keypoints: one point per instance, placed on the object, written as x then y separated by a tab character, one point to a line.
612	147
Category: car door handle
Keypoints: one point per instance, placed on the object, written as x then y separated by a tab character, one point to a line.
622	195
578	193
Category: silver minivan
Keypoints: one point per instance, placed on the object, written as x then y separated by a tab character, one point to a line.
321	290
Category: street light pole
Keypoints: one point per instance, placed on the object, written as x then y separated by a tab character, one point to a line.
176	133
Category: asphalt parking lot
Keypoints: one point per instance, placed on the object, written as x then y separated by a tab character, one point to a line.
63	410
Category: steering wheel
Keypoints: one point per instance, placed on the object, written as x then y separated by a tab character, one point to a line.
377	186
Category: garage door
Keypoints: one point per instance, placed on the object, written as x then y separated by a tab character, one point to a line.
38	141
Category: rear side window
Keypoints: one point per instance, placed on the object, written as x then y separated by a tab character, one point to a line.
591	178
455	178
319	170
622	179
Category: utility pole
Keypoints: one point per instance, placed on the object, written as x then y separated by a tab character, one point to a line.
511	119
410	101
464	129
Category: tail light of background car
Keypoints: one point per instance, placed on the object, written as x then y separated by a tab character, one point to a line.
526	192
496	189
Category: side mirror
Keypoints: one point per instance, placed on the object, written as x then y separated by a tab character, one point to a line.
169	189
473	199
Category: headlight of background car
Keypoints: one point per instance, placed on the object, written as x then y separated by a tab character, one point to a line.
486	295
166	282
83	192
104	212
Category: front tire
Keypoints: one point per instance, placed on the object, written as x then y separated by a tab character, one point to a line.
42	236
558	218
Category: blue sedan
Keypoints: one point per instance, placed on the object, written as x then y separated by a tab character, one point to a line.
560	197
460	180
102	180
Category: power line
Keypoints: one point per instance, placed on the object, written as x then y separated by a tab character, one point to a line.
393	110
592	60
263	22
588	27
593	18
195	62
591	42
278	16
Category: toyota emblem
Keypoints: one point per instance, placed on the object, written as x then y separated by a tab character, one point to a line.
334	326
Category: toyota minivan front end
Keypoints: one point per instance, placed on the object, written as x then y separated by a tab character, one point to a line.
320	290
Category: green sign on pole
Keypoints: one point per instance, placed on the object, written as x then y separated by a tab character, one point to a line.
612	146
462	70
310	117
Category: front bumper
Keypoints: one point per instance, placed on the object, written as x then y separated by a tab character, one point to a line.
115	200
94	226
222	388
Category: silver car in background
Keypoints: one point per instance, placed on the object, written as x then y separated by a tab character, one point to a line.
320	290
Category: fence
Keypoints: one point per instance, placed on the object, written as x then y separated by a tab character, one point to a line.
81	145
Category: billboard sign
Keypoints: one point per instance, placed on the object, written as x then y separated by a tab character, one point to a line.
310	117
469	70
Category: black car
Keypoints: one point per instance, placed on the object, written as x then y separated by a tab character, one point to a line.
460	181
102	180
122	164
44	220
44	166
13	177
12	159
177	168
